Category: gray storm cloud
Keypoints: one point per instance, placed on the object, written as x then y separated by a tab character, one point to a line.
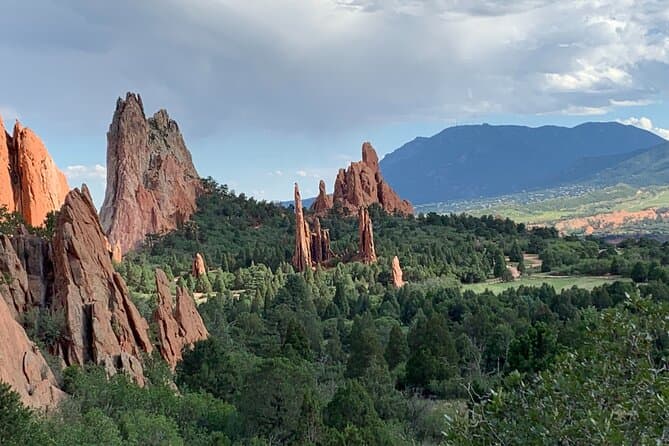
322	66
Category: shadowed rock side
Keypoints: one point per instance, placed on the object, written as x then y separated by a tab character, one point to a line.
366	251
396	271
302	256
103	326
323	201
152	185
178	327
30	182
362	185
22	365
320	244
199	267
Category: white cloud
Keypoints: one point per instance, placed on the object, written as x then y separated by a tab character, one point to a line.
335	64
646	124
277	173
79	173
302	173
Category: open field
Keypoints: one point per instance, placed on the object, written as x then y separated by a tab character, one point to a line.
548	207
557	282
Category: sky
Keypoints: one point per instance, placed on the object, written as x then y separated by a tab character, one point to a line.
269	92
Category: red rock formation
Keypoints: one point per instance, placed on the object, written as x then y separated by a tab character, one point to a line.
190	322
397	273
199	267
362	185
323	202
366	251
177	328
103	326
320	244
36	256
168	328
30	182
13	279
117	253
152	185
22	365
302	256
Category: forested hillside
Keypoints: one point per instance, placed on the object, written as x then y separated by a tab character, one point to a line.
338	356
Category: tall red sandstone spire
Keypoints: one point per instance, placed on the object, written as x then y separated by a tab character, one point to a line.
152	185
366	250
302	256
30	182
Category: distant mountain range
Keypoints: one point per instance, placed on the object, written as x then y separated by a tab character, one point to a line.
475	161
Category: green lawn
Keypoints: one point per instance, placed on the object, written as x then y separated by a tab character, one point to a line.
558	282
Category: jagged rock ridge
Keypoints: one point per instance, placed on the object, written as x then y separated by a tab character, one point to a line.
30	182
103	325
362	185
152	184
311	247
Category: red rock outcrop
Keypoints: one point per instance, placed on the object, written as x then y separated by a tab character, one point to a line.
366	251
13	279
323	202
609	221
199	267
302	256
103	325
30	182
22	365
179	327
396	271
362	185
152	185
320	244
116	253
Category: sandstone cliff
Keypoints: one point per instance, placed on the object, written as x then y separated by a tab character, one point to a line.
22	365
179	327
30	182
362	185
152	185
103	326
366	251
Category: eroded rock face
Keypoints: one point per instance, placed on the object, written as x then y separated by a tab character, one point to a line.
152	185
26	272
302	256
22	365
320	244
366	251
396	271
30	182
199	267
179	327
13	279
362	185
323	202
103	326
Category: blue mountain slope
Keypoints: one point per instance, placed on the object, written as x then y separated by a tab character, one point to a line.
473	161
